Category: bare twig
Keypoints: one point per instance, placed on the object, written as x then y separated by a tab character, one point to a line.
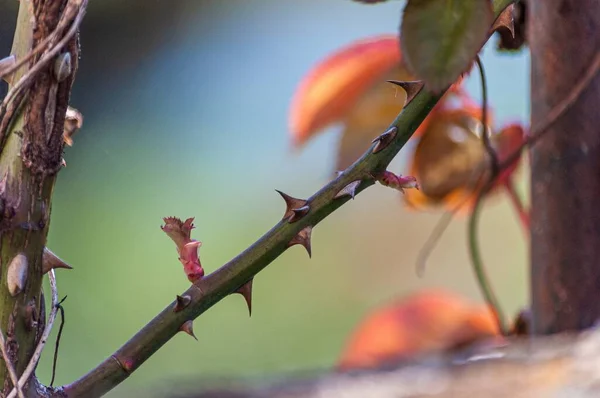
58	336
485	134
517	203
535	134
9	365
476	260
40	347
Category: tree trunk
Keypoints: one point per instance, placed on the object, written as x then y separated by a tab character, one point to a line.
564	37
30	157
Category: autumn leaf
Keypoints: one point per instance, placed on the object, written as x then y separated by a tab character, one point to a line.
428	321
440	38
334	86
450	161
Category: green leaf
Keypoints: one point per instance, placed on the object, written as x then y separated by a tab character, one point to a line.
440	38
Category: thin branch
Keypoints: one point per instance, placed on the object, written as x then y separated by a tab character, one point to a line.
474	252
58	336
40	347
237	272
517	203
536	133
9	365
485	134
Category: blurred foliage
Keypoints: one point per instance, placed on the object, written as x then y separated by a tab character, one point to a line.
185	107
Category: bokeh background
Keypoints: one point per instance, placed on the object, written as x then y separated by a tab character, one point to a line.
185	106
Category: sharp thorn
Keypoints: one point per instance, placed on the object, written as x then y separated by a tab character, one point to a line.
6	64
505	20
246	291
291	205
299	213
348	190
384	139
52	261
188	328
181	302
412	88
303	238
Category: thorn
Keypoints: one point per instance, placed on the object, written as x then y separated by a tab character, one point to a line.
6	64
348	190
303	238
384	139
188	327
52	261
181	302
246	291
292	205
412	88
299	213
505	21
16	276
338	173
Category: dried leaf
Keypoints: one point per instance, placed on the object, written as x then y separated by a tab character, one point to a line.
73	122
440	38
425	322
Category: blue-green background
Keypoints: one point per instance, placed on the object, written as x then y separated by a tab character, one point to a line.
185	106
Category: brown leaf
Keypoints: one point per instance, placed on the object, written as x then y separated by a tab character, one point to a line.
440	38
73	122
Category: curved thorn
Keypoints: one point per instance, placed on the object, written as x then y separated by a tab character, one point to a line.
303	238
299	213
188	328
291	204
348	190
181	302
412	88
52	261
384	139
505	21
246	291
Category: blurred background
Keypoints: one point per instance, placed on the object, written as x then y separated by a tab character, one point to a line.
185	106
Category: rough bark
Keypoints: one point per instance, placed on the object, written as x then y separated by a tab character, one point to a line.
564	37
30	158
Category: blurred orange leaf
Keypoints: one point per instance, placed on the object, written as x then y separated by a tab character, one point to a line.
450	161
428	321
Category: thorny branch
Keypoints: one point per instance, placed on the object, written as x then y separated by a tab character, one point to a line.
241	270
535	134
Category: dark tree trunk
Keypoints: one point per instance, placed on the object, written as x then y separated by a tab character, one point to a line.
564	37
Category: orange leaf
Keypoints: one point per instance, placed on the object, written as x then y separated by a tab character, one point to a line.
334	86
428	321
